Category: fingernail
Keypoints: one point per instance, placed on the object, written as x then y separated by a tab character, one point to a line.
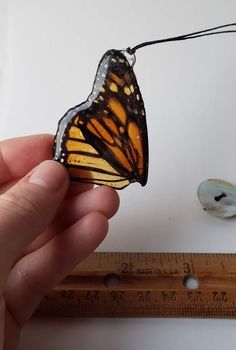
49	175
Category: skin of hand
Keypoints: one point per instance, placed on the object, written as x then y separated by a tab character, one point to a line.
47	226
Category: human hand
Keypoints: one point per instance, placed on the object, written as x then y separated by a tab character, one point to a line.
47	226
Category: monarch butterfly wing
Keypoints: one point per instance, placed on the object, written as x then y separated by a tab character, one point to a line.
129	96
85	164
104	140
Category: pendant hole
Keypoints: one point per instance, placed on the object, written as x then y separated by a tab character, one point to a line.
191	282
112	280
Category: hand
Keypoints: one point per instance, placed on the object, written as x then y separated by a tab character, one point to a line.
47	226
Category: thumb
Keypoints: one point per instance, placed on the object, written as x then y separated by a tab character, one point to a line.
27	209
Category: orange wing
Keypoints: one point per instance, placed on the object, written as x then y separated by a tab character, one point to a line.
104	140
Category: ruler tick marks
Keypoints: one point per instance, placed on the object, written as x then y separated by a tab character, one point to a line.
148	285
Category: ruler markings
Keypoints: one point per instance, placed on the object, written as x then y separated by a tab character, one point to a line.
148	285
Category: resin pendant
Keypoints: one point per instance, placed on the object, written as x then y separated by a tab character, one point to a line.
218	197
104	140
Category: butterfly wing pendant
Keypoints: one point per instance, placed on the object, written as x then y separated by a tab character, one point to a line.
104	140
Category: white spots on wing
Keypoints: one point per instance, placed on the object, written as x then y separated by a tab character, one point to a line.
101	98
138	97
127	90
121	60
102	89
113	87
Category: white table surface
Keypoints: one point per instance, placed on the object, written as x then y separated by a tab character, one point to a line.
49	51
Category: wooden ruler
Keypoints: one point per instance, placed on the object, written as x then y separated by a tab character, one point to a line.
147	285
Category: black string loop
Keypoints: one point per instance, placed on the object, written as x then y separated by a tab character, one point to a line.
193	35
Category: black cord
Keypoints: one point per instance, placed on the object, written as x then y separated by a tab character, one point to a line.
193	35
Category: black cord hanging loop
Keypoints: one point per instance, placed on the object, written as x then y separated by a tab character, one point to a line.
198	34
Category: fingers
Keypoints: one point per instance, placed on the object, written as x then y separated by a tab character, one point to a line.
38	272
27	209
101	199
19	155
74	188
77	187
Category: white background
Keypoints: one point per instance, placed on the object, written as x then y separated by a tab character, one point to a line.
49	51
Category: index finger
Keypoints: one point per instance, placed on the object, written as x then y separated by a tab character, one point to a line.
20	155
